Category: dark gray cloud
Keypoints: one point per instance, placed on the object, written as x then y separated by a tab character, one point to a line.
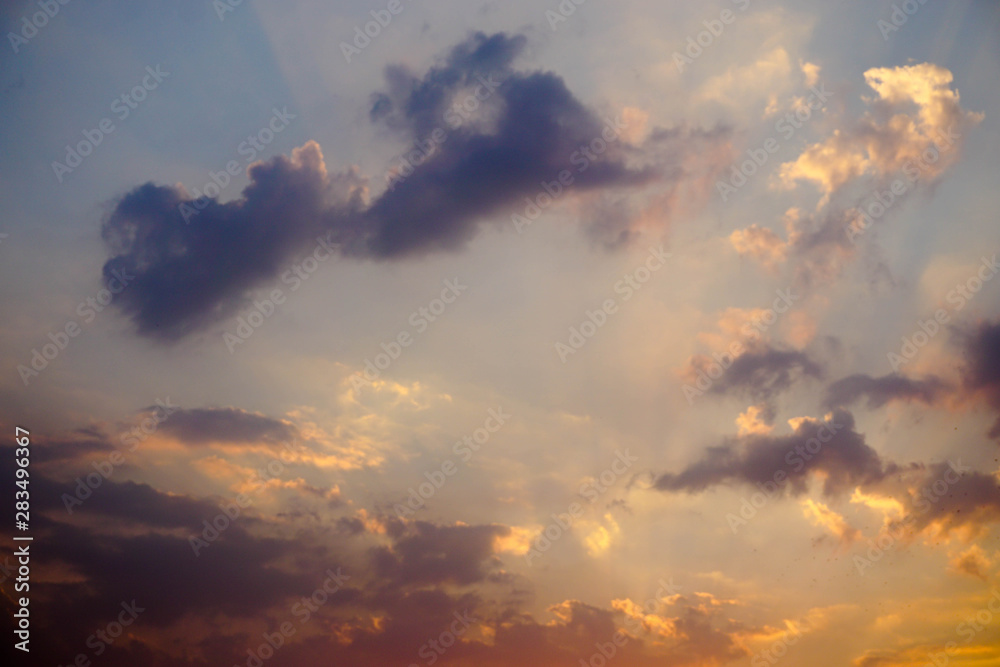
982	366
763	372
950	495
880	390
71	446
201	425
130	543
182	277
829	447
425	553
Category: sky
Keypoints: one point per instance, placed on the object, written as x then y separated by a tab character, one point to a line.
491	334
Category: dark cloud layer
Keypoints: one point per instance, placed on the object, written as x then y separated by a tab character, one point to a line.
425	553
130	542
831	448
880	390
182	275
982	374
202	425
979	381
763	372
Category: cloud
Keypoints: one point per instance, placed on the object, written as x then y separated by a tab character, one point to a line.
970	500
756	420
911	134
972	562
821	515
760	372
762	244
829	448
982	366
424	553
880	390
883	141
226	425
80	442
181	277
978	379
